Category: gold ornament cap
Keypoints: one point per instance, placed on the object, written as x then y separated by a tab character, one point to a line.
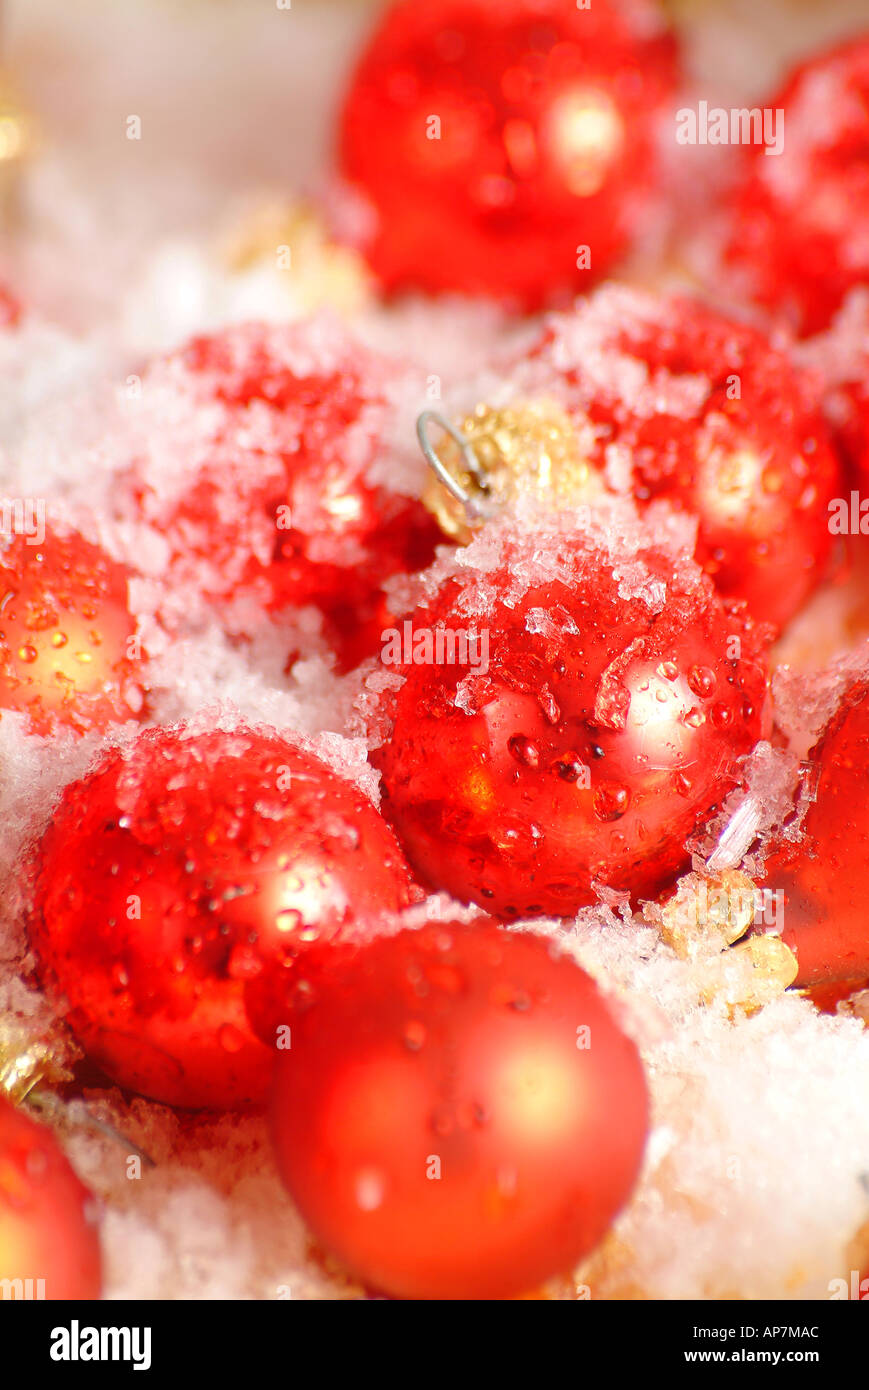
29	1060
497	455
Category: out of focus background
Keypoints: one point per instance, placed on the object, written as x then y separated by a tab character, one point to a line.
237	101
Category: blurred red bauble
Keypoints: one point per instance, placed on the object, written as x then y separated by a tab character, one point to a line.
713	416
49	1245
507	146
825	878
849	414
459	1115
263	487
10	309
174	876
606	723
798	240
68	647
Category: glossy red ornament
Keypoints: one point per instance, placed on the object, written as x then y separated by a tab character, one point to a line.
459	1114
825	877
828	996
798	239
271	492
618	698
712	415
49	1244
499	140
176	874
68	647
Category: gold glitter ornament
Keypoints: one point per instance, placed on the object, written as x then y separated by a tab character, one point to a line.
29	1060
748	976
707	913
704	921
291	239
33	1065
526	449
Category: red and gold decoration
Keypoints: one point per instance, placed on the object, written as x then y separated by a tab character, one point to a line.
507	146
69	654
211	860
798	237
824	875
49	1245
278	505
554	663
593	733
711	415
528	450
459	1116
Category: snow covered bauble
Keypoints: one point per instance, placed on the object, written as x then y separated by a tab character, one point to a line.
459	1115
69	654
507	147
841	355
176	874
49	1244
825	876
798	241
569	715
672	400
263	486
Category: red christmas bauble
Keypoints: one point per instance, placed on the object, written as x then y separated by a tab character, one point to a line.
617	697
828	996
507	146
710	414
825	877
178	872
841	355
848	404
459	1115
798	239
268	491
10	309
68	650
49	1244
